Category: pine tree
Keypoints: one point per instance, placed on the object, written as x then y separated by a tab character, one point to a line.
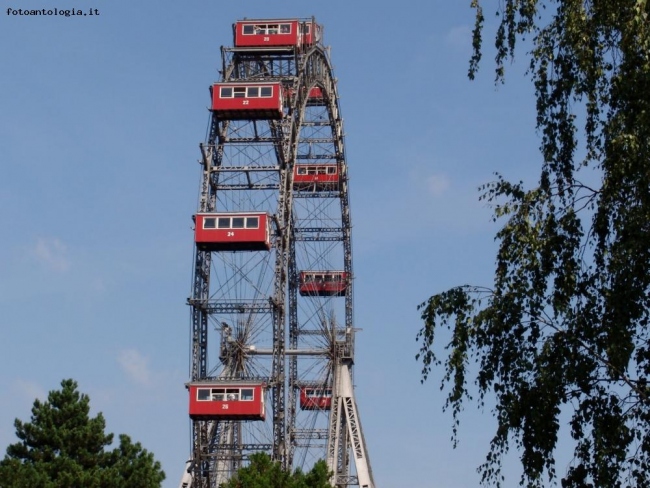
63	447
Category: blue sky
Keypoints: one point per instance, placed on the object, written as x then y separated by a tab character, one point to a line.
100	121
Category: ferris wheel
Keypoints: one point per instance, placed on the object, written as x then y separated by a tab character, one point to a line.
272	334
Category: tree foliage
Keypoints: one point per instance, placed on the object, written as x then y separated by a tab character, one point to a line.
563	332
262	472
63	447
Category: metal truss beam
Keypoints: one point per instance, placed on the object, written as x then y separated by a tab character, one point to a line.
316	434
292	352
242	447
320	230
313	332
318	239
316	194
245	169
316	124
245	186
249	140
331	157
346	480
215	306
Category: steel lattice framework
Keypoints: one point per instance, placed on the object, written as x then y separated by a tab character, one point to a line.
248	318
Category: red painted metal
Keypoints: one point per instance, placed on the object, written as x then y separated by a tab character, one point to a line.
315	398
316	92
323	283
232	231
226	401
312	33
276	33
250	100
315	176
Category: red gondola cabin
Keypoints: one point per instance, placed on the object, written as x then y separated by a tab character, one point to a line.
247	101
275	33
232	231
316	97
315	398
323	283
315	177
226	401
316	92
